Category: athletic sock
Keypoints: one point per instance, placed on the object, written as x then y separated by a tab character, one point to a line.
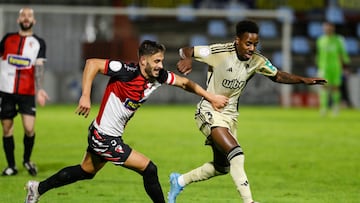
65	176
324	100
181	181
28	147
9	147
336	98
237	172
151	183
203	172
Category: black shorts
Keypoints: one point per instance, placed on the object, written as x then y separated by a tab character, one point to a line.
11	104
109	148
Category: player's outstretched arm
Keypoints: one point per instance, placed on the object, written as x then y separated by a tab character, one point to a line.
288	78
184	65
92	67
41	95
217	101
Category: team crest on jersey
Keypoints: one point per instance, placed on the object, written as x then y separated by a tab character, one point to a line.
19	61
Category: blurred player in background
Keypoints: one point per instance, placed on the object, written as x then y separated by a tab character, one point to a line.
330	58
129	87
231	65
21	78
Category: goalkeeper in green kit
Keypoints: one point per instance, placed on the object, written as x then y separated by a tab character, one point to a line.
330	58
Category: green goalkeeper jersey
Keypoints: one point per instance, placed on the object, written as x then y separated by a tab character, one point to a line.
331	53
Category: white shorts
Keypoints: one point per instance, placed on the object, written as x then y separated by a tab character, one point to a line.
206	120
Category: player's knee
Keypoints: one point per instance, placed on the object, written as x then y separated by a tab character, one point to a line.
236	151
150	173
87	175
74	173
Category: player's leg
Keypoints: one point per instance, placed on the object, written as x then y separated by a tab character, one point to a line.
113	149
219	166
336	93
29	141
226	142
28	112
324	91
90	165
336	99
324	99
9	147
178	181
7	113
145	167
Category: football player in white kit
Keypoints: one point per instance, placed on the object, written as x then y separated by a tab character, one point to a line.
231	66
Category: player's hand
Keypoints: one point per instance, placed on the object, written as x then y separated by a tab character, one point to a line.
219	101
42	97
184	66
84	106
315	81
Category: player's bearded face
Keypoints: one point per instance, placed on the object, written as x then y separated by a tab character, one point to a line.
25	26
246	45
154	65
26	19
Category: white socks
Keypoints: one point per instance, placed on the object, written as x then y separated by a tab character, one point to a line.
237	172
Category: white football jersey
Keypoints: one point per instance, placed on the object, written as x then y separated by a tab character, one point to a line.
228	75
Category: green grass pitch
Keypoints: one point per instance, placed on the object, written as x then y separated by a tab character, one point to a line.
292	156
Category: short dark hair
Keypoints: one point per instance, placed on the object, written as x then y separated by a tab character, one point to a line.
148	47
246	26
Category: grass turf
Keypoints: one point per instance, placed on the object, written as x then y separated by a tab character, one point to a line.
292	156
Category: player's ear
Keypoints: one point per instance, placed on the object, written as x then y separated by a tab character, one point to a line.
142	60
237	40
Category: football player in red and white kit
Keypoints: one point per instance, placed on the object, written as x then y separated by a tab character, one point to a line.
128	88
21	75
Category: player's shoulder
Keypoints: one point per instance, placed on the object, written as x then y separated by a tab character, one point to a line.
41	40
130	67
9	34
222	47
115	65
257	56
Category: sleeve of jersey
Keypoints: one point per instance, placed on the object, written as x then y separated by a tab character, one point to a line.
114	68
266	68
42	51
2	46
203	54
166	77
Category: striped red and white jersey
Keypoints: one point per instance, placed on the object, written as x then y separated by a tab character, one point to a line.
17	66
125	92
